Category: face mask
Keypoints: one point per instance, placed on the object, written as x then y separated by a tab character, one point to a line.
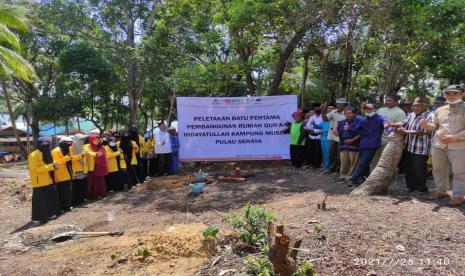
454	102
112	144
370	114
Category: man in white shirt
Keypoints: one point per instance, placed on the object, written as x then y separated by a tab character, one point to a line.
314	142
334	117
163	149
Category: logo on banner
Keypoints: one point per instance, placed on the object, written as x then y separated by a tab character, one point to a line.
237	101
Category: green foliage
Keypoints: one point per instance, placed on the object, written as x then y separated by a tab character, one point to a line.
319	227
210	232
306	269
251	224
259	266
144	252
113	256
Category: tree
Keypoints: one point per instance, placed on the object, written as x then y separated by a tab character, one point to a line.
11	63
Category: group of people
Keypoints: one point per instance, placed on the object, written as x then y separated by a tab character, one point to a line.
342	140
87	167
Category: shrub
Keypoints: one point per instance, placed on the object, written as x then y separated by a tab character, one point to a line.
210	232
259	266
251	225
305	270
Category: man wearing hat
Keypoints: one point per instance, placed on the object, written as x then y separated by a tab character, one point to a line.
417	146
334	117
395	115
370	129
298	139
449	145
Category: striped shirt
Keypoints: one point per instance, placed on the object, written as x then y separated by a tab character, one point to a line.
418	144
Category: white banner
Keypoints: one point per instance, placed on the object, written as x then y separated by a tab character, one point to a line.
241	128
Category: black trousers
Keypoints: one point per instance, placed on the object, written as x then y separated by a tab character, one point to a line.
308	152
153	166
163	163
65	195
297	155
334	157
415	170
316	154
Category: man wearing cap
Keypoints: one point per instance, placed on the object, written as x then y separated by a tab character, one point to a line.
395	115
298	139
334	117
449	145
370	129
417	146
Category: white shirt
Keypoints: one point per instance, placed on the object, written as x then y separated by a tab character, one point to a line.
317	119
334	118
162	142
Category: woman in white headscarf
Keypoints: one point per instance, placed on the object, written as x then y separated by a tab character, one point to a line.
79	168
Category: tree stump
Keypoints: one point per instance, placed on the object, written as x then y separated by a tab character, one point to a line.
284	260
381	177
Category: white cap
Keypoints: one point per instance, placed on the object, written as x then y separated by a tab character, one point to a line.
66	139
171	128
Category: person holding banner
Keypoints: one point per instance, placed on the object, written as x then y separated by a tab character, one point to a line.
298	138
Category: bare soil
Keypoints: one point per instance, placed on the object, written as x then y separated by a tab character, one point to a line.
397	233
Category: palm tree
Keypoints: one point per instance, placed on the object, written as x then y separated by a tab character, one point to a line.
13	20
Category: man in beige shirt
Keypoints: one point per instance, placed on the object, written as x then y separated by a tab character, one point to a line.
449	145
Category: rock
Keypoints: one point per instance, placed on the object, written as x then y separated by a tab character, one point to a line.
400	248
371	273
223	272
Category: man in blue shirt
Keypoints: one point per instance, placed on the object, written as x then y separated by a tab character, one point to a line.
370	129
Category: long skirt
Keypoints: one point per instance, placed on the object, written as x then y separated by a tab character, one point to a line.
126	179
45	203
96	186
65	195
114	181
132	170
174	165
79	191
140	170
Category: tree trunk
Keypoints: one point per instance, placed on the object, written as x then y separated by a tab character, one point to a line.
284	57
78	124
13	120
304	80
173	98
35	129
381	177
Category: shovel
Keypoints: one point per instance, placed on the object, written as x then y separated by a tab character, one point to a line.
71	234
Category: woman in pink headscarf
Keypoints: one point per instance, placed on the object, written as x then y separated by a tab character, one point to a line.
98	168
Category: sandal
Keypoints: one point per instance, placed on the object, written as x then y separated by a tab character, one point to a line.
456	201
437	195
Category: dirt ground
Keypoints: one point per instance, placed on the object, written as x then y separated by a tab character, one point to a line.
393	234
